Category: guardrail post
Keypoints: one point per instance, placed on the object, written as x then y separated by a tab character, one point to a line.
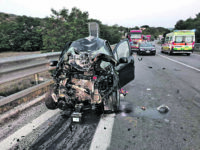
37	78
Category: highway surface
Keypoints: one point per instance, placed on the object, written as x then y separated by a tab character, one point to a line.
162	79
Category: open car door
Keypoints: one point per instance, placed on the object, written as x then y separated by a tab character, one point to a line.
126	69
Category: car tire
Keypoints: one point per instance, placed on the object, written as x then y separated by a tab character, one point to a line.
116	101
188	54
49	102
170	53
99	108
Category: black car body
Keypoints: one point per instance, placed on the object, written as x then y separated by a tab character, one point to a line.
89	72
146	48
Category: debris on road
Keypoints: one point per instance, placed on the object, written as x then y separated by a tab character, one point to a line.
163	68
166	120
129	129
140	59
163	108
143	108
148	89
123	91
178	91
150	67
104	128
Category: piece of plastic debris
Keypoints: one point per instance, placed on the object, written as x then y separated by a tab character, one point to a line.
143	108
166	120
163	108
140	59
129	129
150	67
104	128
148	89
123	91
163	68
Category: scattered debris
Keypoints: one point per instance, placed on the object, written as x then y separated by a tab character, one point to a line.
143	108
140	59
166	120
178	91
123	91
148	89
150	67
104	128
163	108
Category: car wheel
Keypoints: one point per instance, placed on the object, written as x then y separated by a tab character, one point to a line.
188	54
99	108
49	102
116	101
170	53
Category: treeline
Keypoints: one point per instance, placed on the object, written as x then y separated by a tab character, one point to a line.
22	33
189	24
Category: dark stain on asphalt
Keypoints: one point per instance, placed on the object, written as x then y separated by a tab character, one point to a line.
163	68
63	134
127	109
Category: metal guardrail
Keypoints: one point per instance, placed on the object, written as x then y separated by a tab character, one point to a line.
19	67
13	68
26	95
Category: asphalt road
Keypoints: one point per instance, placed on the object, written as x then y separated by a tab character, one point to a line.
161	79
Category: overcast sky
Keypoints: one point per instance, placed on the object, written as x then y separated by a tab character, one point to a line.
127	13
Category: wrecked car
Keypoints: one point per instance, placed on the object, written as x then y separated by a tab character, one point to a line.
90	73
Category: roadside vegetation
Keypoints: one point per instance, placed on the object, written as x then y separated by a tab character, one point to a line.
22	33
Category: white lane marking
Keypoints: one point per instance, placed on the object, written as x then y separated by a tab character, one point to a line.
10	141
180	62
102	136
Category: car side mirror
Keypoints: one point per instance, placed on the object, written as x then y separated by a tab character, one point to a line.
123	60
53	63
